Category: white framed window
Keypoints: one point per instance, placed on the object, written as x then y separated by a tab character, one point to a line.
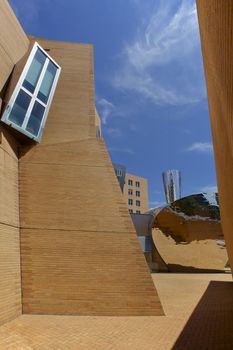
29	104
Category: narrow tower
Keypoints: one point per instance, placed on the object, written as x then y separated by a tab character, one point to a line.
172	185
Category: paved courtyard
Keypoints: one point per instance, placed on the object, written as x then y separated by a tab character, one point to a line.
199	316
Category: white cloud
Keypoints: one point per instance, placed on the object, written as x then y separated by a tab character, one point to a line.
163	63
207	189
201	147
166	37
105	109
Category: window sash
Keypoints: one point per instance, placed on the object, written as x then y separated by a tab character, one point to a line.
31	79
33	95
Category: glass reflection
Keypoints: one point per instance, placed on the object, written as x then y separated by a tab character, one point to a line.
34	71
20	107
35	119
195	217
172	185
202	205
47	83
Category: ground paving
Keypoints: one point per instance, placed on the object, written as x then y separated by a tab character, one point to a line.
199	316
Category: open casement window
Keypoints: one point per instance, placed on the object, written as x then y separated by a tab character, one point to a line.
29	104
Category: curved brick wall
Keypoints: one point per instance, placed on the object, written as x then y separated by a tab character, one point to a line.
216	29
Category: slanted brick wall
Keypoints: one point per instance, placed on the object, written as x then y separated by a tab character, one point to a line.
80	253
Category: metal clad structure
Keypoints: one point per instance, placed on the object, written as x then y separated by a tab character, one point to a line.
172	185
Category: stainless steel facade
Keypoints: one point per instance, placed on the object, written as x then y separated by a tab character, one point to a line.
172	185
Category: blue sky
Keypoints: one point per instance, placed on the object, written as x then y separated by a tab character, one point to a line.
149	81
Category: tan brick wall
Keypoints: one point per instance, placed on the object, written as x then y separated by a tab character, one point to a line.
13	41
10	281
73	217
216	29
13	45
143	189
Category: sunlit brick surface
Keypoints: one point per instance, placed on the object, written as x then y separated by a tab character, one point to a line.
179	293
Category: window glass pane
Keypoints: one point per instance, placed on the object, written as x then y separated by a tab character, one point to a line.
19	108
34	123
47	83
34	71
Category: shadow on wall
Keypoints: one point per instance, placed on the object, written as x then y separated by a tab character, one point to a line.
210	326
191	269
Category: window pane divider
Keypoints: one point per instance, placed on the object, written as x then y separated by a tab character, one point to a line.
29	111
25	90
34	96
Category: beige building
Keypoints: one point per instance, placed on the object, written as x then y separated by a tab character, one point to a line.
62	214
136	193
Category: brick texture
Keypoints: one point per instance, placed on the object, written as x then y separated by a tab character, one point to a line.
216	29
10	281
198	311
13	41
73	216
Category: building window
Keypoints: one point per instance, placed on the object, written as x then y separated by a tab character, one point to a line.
119	172
137	184
130	192
138	203
138	212
131	211
130	201
29	104
130	182
137	193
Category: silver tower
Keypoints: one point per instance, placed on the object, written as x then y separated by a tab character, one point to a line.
172	185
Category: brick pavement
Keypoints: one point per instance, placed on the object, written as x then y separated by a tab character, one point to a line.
207	298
